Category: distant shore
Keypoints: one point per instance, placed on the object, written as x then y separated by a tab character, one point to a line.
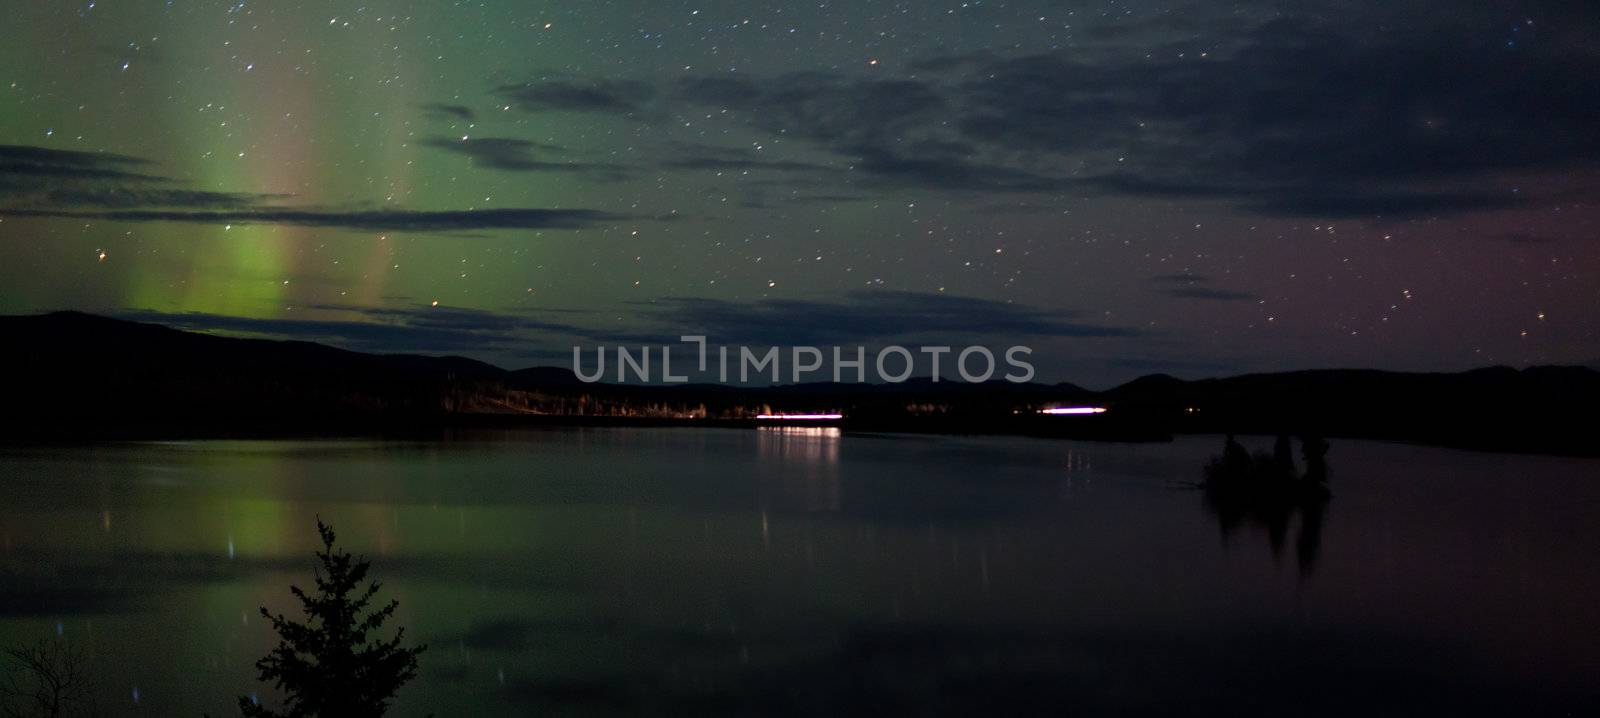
435	426
447	426
70	377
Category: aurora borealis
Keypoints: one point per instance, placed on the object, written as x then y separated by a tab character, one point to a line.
1126	187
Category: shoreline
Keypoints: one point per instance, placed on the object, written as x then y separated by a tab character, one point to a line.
433	427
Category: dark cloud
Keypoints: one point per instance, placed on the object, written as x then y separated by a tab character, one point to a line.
73	158
1210	293
42	163
715	158
951	172
514	155
623	97
459	318
459	112
1196	286
888	127
46	177
1021	208
375	329
357	335
824	198
382	220
948	64
1526	238
719	90
733	164
1303	119
62	184
1180	278
840	111
893	130
129	198
1295	116
1335	202
866	316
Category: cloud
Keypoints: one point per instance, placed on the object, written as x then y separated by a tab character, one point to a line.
716	158
1022	207
1334	202
866	316
823	198
623	97
1294	115
952	172
383	220
356	335
828	107
1180	278
886	126
731	164
459	112
1303	118
1193	286
35	163
1219	295
128	198
425	329
945	64
104	186
514	155
1525	238
458	318
47	177
894	130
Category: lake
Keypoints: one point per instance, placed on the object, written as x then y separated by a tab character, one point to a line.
601	571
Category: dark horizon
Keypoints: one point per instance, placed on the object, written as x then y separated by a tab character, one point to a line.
174	384
684	358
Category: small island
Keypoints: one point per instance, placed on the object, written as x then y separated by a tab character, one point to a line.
1268	490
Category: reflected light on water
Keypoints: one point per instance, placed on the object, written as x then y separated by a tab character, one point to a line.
806	461
817	432
623	570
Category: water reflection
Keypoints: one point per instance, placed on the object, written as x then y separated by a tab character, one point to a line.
805	468
795	570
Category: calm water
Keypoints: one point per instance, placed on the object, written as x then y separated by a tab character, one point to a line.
606	571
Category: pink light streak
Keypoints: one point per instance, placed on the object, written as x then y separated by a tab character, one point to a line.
1073	410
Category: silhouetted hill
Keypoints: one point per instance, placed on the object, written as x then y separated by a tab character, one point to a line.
1499	408
1150	386
544	376
77	368
70	374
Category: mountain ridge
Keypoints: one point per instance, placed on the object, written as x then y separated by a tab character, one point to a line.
68	372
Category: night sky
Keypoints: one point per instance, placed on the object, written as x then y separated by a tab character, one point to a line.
1193	188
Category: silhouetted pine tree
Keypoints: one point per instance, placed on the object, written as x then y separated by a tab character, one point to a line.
328	665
